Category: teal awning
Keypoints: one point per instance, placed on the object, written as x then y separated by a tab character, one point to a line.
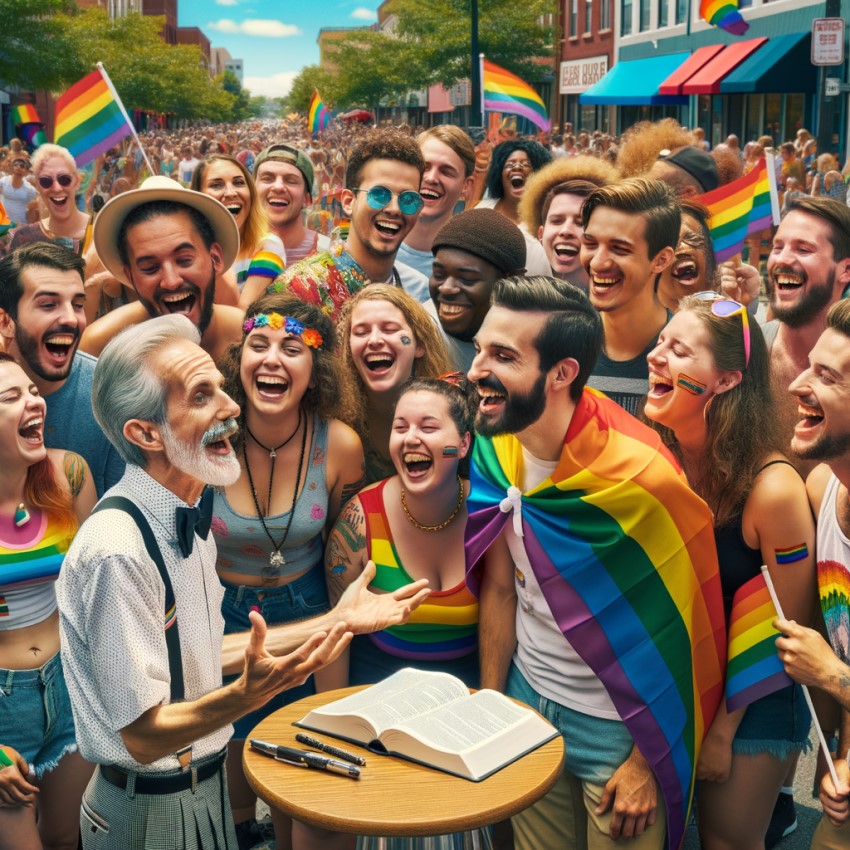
782	65
636	83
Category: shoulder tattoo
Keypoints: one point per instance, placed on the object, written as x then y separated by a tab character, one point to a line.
75	472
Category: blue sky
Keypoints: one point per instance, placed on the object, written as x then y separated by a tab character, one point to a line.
274	39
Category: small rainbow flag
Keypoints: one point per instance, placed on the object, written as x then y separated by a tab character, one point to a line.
506	92
754	669
743	207
318	115
723	14
834	591
24	113
90	117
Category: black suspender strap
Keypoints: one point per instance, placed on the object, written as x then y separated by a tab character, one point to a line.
172	634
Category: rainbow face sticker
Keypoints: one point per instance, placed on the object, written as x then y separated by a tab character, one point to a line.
691	385
450	451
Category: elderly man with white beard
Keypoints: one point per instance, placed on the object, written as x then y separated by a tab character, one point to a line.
140	606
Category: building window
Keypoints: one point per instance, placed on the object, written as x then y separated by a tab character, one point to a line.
573	18
588	15
663	13
644	15
681	11
605	15
626	27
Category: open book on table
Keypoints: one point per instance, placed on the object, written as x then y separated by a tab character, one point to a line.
432	719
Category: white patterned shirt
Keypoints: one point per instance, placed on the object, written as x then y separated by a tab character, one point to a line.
111	617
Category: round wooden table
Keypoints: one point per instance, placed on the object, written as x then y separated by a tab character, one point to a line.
393	796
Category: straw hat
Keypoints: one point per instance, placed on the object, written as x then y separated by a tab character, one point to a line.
109	220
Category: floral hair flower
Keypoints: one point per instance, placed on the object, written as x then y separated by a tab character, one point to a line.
309	336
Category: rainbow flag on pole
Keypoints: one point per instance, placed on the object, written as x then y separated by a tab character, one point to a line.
743	207
90	117
318	115
723	14
506	92
754	669
624	553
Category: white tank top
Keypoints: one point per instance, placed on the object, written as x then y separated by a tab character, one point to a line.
833	545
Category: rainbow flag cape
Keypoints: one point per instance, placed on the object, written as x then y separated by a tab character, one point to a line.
754	669
624	552
90	117
506	92
318	115
723	14
743	207
834	591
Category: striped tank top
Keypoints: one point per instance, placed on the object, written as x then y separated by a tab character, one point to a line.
443	627
28	572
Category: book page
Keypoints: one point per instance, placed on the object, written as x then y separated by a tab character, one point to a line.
462	725
407	693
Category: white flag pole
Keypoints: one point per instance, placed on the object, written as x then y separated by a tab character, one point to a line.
776	604
124	113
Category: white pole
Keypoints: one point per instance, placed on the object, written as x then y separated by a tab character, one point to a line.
124	113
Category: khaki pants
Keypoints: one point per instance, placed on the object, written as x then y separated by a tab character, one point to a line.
564	820
829	837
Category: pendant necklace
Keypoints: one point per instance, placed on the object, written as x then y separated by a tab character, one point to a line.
22	516
273	450
276	559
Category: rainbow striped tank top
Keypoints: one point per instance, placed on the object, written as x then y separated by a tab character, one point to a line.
28	571
445	626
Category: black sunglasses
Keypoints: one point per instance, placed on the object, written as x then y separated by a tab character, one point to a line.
64	180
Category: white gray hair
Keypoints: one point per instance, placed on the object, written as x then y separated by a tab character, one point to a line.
125	386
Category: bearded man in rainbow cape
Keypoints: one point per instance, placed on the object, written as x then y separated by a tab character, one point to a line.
596	569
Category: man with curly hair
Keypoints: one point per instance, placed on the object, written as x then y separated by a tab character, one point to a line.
382	199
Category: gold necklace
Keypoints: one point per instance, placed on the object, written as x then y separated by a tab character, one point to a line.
445	522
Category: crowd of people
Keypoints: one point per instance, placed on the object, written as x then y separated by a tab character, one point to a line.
285	413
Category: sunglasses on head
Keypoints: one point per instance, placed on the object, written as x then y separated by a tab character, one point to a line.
64	180
725	308
409	202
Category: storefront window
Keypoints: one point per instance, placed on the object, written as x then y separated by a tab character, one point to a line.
794	115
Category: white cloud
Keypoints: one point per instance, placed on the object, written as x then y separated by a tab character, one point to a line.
255	26
364	14
226	2
276	85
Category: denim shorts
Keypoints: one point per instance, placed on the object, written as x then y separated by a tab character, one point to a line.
35	714
302	598
777	724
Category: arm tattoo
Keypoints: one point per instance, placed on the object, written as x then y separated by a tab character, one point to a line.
352	489
344	546
75	472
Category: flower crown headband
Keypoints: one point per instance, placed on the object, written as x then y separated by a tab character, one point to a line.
309	336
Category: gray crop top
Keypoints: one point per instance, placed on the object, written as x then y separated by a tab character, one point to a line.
243	546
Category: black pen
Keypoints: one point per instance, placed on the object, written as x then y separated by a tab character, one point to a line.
327	748
302	758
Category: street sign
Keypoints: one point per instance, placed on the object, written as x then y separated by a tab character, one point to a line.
828	41
833	87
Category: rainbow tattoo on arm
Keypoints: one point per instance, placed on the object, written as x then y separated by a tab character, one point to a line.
790	554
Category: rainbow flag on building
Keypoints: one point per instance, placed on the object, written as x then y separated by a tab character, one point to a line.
723	14
834	592
318	115
624	553
754	669
90	117
505	92
743	207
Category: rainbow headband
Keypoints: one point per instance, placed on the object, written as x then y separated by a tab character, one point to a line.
309	336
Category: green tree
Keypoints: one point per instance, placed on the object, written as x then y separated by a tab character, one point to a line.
310	78
34	47
430	44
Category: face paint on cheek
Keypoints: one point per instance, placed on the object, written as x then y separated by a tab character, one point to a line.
691	385
791	554
405	340
450	451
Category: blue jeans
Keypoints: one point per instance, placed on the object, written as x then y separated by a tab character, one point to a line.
35	714
306	596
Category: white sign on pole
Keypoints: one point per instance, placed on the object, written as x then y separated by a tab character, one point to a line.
833	87
828	41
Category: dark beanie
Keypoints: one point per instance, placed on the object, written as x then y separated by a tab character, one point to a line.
487	234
